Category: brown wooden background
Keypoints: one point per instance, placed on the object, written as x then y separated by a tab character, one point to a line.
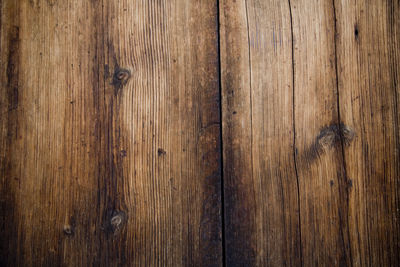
200	133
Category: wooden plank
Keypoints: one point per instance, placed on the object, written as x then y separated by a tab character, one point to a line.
239	201
311	130
110	133
261	198
285	181
368	43
319	137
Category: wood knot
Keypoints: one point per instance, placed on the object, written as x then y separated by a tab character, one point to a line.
347	134
120	78
123	153
333	134
122	75
68	230
349	183
69	227
117	221
329	137
161	152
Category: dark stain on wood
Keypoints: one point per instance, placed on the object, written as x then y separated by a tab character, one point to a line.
210	222
111	208
114	132
240	250
10	134
13	67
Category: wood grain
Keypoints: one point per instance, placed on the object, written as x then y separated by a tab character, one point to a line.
110	140
310	132
368	45
262	225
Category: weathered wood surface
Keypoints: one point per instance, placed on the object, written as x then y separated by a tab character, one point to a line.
368	49
110	138
310	132
259	172
110	133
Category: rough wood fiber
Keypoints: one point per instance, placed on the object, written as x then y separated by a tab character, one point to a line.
318	137
109	133
368	47
110	139
262	226
310	132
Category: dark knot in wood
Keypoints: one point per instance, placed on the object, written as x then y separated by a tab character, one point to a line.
117	221
68	230
161	152
120	78
329	137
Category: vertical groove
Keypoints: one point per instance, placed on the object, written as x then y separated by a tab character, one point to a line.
340	128
251	98
294	133
223	230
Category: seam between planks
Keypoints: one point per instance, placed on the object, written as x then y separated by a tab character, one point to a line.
221	151
294	133
251	98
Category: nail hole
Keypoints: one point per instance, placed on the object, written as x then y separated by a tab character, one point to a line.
356	31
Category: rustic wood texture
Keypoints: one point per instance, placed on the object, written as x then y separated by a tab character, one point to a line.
368	49
110	139
310	132
113	152
259	172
